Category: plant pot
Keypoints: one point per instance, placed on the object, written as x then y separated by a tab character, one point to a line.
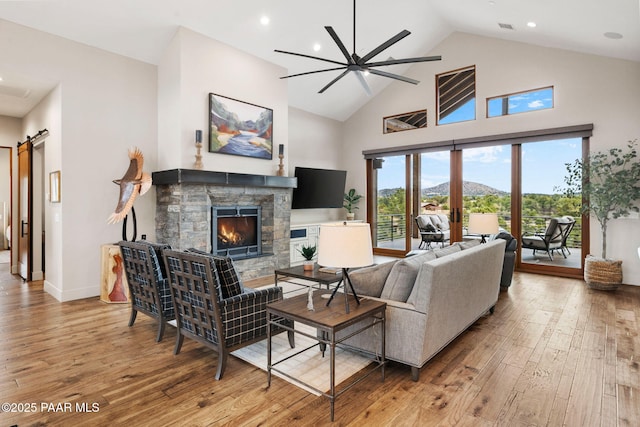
602	274
351	216
308	265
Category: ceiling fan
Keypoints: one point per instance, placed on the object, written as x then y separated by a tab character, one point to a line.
360	65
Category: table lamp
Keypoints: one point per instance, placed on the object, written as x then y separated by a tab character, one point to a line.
483	224
345	245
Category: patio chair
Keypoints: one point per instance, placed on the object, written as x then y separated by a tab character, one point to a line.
148	285
564	246
553	238
432	228
223	316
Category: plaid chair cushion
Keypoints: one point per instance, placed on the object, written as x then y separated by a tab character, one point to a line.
230	283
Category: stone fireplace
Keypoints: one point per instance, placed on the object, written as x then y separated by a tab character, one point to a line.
189	201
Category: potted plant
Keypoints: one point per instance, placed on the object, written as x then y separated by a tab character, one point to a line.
308	252
351	199
610	185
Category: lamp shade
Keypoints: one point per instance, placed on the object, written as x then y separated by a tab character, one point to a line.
483	223
345	245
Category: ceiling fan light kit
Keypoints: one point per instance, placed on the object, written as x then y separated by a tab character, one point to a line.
360	65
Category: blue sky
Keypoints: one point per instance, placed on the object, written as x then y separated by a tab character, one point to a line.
542	166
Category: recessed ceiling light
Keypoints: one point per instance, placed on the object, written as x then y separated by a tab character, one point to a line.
316	47
264	20
613	35
531	24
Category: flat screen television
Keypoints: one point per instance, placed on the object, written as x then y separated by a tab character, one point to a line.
318	188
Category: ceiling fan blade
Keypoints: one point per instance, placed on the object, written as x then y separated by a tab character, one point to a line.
313	72
333	81
404	61
394	76
393	40
337	40
363	82
309	56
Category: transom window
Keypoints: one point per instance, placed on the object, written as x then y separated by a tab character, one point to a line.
520	102
456	95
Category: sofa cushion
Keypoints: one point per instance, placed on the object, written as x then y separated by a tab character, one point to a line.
402	276
369	281
436	221
444	222
439	253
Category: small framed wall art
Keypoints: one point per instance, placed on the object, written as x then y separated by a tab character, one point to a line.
240	128
405	121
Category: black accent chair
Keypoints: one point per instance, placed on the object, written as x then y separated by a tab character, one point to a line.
221	314
148	285
509	258
553	238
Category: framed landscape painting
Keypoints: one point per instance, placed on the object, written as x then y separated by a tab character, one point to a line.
240	128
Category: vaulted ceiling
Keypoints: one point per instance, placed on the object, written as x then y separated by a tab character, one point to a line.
142	29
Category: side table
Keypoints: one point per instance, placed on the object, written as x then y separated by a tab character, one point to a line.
328	321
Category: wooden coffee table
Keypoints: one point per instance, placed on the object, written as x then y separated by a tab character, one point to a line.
328	321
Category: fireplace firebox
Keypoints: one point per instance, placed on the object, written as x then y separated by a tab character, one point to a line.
236	231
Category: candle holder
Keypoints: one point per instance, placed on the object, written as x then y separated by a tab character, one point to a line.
281	165
198	164
281	156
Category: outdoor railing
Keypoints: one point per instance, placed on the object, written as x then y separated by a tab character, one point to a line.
392	227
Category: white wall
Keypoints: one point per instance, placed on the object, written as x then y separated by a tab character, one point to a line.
191	68
105	104
316	142
588	89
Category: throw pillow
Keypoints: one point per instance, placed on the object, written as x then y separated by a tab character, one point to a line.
444	222
430	228
402	276
369	281
230	283
439	253
468	244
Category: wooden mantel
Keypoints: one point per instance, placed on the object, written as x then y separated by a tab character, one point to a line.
193	176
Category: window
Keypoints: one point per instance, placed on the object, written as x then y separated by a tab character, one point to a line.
456	91
521	102
406	121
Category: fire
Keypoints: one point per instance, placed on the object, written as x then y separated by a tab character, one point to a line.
229	236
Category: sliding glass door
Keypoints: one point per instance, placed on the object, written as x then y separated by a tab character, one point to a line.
389	206
486	185
517	177
551	224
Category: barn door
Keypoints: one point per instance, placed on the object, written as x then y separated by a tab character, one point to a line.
24	210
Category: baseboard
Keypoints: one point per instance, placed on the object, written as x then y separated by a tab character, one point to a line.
70	295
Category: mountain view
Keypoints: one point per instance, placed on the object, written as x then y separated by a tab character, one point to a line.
469	188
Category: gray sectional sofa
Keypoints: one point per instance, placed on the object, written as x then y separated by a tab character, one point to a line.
431	298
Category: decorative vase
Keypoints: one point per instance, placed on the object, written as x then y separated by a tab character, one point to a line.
308	265
602	274
351	216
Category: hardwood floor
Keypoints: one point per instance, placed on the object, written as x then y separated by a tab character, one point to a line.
554	353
